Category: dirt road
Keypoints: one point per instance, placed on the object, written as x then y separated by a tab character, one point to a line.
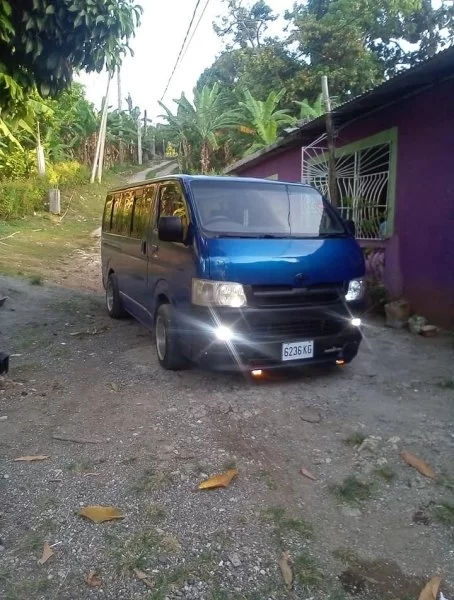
143	438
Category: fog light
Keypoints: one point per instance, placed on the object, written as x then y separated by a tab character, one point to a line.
257	373
356	322
223	333
340	362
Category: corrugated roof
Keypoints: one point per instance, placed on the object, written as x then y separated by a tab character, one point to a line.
409	82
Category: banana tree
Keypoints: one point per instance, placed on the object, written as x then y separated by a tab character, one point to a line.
202	124
264	118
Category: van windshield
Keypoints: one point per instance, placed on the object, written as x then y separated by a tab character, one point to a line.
260	209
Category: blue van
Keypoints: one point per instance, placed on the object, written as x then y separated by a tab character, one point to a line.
234	272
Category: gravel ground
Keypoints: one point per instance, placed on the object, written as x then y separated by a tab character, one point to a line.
368	525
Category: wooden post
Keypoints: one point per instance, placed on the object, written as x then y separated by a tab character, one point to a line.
332	183
121	153
139	141
101	129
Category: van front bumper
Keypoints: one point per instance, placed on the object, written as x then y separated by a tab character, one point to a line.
258	335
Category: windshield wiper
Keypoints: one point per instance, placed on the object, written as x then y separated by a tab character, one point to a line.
249	235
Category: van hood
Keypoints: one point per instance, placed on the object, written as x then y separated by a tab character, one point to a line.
292	262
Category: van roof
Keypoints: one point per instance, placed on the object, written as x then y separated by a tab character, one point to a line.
187	178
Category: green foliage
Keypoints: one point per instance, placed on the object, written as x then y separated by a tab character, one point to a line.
199	128
265	118
42	42
22	197
68	172
358	43
245	25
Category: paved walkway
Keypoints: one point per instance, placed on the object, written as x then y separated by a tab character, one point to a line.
164	168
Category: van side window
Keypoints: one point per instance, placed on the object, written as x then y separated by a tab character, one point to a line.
122	213
143	203
172	204
107	216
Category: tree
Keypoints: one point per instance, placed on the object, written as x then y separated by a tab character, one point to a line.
200	125
310	111
43	41
246	26
265	118
273	67
358	43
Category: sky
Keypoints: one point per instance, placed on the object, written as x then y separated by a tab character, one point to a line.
156	47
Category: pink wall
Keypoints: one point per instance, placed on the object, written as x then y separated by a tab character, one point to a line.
420	254
287	166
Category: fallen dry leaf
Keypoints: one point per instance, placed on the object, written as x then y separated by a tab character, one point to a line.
285	564
99	514
217	481
31	458
92	579
307	474
143	577
418	464
430	590
47	553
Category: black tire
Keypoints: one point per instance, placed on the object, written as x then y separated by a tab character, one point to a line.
113	301
167	344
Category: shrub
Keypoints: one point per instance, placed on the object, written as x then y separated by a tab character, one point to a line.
21	197
68	172
16	163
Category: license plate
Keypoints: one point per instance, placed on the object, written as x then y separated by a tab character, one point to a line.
298	350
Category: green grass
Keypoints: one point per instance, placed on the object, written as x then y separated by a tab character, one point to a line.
42	241
151	480
80	467
385	473
22	590
355	439
155	513
269	480
444	513
36	280
285	526
352	490
307	572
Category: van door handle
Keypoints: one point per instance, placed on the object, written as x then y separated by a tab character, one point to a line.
143	247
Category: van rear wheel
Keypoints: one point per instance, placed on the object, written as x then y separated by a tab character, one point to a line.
113	301
167	346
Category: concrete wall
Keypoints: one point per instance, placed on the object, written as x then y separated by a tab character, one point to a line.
420	254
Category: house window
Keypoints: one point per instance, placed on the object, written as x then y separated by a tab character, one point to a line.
365	174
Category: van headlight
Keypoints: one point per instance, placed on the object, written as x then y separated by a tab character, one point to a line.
356	290
217	293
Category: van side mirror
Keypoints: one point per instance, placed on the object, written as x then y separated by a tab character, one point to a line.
351	227
170	229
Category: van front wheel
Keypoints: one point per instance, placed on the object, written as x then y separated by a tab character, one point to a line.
113	300
167	349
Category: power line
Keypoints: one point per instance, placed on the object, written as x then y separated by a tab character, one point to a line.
181	49
195	30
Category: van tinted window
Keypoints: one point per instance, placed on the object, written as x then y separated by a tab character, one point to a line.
122	213
172	203
107	216
143	205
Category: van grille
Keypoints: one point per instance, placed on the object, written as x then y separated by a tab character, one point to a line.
266	296
294	329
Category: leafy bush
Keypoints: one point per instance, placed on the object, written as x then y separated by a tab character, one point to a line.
21	197
69	172
16	163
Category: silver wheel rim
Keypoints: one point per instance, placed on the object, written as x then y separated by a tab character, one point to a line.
161	340
109	295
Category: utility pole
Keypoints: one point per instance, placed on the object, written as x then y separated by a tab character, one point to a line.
102	132
332	183
139	141
121	154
